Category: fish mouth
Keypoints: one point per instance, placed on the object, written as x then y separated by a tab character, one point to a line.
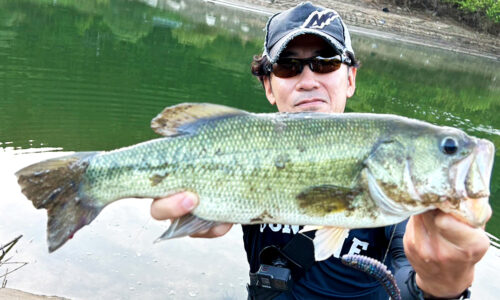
470	178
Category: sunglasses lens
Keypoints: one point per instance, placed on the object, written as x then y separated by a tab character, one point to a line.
287	68
325	66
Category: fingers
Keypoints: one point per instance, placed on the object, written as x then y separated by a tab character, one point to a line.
451	228
418	244
471	242
418	235
214	232
437	246
179	204
173	206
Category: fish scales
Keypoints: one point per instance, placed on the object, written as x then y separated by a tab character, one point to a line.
243	168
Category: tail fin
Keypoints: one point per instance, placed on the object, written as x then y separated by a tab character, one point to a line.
55	185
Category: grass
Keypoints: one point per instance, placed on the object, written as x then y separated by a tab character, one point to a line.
4	250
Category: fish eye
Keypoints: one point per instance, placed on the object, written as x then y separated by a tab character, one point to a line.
449	146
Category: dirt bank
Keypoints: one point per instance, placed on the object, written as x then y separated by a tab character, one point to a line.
13	294
368	17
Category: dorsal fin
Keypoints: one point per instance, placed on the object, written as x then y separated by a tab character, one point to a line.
171	120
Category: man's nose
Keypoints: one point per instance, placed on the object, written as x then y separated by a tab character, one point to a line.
307	79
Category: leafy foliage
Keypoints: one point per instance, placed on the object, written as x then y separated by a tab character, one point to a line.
479	14
491	8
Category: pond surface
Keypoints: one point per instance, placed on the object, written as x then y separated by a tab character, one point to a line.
90	75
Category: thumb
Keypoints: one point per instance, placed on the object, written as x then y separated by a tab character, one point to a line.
173	206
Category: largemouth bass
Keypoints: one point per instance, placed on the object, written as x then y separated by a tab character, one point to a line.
344	171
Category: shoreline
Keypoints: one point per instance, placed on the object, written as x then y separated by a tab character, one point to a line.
12	293
367	18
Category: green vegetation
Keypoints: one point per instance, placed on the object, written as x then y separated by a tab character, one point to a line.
491	8
483	15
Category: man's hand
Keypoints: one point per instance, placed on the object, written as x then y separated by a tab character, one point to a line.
443	252
179	204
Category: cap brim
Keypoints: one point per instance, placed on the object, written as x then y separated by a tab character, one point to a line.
276	50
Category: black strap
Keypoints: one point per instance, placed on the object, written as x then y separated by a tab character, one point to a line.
417	293
300	252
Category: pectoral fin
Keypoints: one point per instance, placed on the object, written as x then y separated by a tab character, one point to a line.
325	199
186	225
327	241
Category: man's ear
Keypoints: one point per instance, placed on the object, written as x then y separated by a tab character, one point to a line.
351	81
269	90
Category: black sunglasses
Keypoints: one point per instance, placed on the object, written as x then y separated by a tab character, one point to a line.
289	67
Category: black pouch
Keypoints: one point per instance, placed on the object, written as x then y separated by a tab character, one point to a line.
260	293
274	272
279	268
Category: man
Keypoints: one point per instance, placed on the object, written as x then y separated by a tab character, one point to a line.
309	65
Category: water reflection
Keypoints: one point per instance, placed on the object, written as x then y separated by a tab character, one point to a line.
115	255
90	75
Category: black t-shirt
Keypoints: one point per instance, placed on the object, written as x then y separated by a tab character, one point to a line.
330	279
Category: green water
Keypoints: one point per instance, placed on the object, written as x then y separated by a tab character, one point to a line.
90	75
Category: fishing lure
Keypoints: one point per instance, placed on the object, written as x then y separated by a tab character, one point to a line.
375	269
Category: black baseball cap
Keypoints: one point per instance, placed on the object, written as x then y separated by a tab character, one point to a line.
306	18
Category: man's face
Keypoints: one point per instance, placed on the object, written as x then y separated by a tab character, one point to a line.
309	91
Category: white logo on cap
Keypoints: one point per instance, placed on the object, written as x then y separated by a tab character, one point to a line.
320	19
